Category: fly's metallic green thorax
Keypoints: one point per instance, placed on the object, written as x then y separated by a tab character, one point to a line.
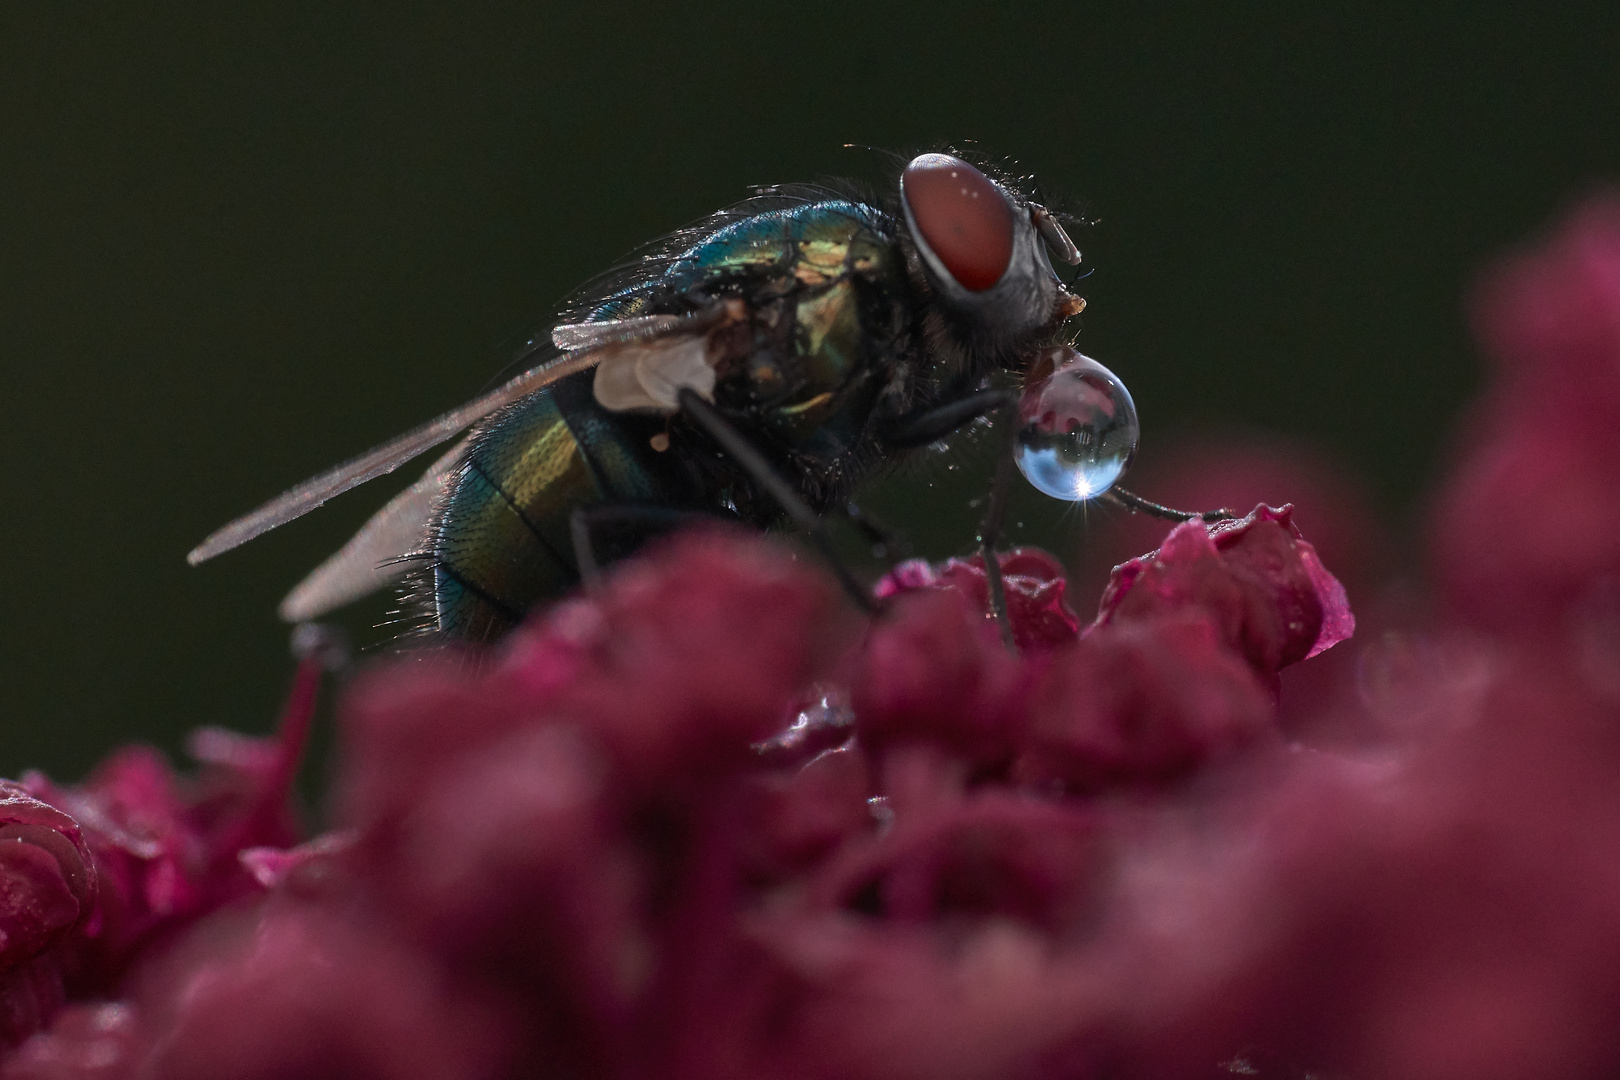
824	289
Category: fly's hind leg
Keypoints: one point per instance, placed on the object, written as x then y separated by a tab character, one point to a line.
754	463
587	521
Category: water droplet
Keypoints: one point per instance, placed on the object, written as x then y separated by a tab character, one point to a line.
1079	428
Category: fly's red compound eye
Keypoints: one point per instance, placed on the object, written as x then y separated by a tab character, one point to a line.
962	216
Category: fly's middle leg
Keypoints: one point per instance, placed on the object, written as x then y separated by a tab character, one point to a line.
886	543
994	516
751	461
931	425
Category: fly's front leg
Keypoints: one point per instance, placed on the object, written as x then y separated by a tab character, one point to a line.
934	423
1138	505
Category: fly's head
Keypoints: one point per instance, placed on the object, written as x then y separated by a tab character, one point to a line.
982	253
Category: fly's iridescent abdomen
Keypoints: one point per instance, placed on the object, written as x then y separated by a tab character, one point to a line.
823	288
500	540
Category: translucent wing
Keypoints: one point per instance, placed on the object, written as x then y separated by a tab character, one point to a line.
300	500
572	337
370	560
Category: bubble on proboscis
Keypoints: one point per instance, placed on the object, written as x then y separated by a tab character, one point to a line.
1077	426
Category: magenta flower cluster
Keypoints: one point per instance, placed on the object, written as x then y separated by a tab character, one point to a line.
707	822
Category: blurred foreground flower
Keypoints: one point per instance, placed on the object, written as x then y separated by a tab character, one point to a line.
708	823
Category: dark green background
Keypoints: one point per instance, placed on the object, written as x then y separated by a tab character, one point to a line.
239	245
